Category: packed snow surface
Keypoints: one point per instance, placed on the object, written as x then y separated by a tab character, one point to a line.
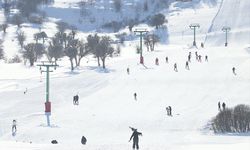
107	107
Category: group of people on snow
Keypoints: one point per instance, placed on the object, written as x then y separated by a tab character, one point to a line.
223	105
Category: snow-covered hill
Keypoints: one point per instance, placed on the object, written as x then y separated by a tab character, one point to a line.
234	14
107	106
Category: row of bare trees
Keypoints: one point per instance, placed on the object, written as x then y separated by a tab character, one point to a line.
66	44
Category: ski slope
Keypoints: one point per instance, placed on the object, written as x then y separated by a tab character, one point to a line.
234	14
107	107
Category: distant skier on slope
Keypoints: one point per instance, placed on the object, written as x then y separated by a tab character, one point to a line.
202	45
156	61
135	135
187	65
26	90
233	69
135	96
128	70
166	59
206	58
196	56
175	67
14	127
199	58
189	58
76	100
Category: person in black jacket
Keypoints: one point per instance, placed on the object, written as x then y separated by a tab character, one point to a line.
135	137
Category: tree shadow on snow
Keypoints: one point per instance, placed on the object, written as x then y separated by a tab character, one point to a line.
100	69
51	126
72	72
233	134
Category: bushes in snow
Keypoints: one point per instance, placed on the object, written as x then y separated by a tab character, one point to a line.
236	119
15	59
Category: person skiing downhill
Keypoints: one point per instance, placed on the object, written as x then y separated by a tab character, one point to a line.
156	61
76	100
233	69
135	136
189	58
166	59
187	65
206	58
13	127
128	70
196	56
135	96
175	67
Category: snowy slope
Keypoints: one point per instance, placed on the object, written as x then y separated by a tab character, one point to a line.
107	107
234	14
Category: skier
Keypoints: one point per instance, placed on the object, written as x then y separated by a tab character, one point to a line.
83	140
170	110
26	90
202	45
199	58
206	58
128	70
166	59
187	66
135	96
233	69
175	67
156	61
189	58
167	108
223	106
196	55
74	99
77	99
14	127
135	137
219	108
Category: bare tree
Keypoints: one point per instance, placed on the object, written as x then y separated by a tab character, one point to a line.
150	40
82	51
29	53
153	40
71	52
105	49
55	49
21	38
92	42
